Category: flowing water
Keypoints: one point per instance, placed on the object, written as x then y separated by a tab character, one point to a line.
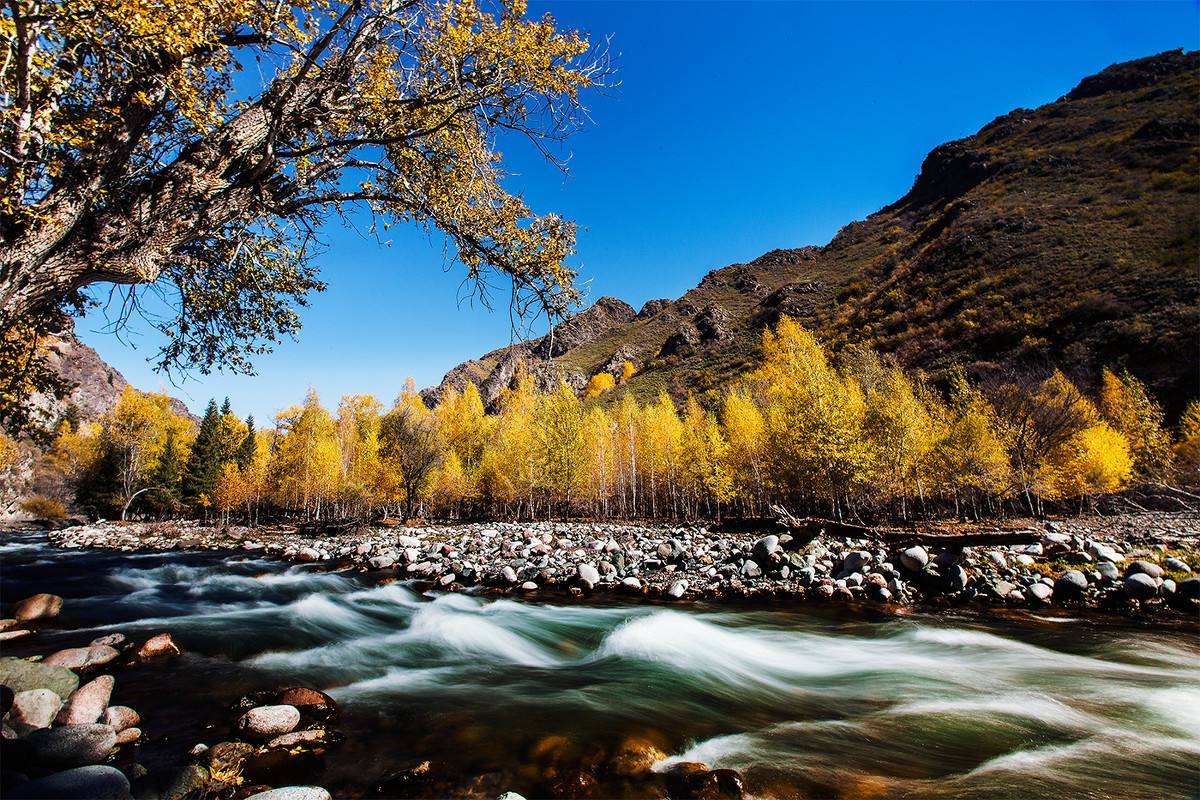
804	702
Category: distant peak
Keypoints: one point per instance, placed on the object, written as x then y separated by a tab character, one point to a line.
1136	74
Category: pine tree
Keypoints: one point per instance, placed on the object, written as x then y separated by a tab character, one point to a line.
204	463
168	476
249	446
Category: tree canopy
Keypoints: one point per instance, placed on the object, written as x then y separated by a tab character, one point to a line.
198	147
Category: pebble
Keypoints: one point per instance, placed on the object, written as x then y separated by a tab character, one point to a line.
82	658
39	606
160	646
81	783
88	702
269	721
33	709
72	745
292	793
21	675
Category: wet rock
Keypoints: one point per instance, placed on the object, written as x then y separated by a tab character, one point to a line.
157	648
308	554
312	737
21	676
1070	585
266	722
33	709
120	717
115	640
7	698
634	756
856	560
382	562
510	796
292	793
14	633
309	701
72	745
693	781
39	606
83	658
509	575
81	783
1188	589
1144	568
1141	586
226	760
751	569
914	559
192	781
129	736
955	579
87	703
677	590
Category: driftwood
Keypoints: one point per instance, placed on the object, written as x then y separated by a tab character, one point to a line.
323	527
804	529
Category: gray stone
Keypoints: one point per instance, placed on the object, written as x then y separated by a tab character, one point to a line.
509	575
677	589
266	722
382	562
1108	570
914	559
856	560
1141	586
1040	592
1070	585
1144	568
21	676
955	579
72	745
632	584
1178	565
116	640
39	606
191	781
81	783
765	548
529	586
292	793
33	709
589	575
87	703
751	569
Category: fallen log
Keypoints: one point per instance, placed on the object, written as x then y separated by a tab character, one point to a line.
805	529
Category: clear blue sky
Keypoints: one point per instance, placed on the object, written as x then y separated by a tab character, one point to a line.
736	128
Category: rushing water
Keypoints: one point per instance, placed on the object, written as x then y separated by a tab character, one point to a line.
805	703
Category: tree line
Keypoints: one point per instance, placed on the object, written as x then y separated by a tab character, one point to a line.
859	436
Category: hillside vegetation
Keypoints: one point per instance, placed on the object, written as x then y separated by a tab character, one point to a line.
1064	236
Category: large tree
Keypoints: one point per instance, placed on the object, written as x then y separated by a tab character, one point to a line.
197	146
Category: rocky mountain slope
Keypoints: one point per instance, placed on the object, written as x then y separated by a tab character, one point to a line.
1065	235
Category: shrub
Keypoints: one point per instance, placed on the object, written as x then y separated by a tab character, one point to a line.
44	508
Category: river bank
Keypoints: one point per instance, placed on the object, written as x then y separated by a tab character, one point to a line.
1136	565
402	690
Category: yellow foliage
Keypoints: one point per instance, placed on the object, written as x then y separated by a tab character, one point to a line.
1095	461
598	384
1128	407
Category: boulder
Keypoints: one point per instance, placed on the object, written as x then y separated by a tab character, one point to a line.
88	702
33	709
1178	565
751	569
39	606
21	676
72	745
677	590
129	736
308	701
1144	568
1040	592
588	575
1070	585
266	722
1141	586
765	548
914	559
81	783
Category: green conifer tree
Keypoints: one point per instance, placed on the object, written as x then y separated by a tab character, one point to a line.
204	464
168	477
245	454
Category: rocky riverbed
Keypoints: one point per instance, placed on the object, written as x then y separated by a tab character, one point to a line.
1132	564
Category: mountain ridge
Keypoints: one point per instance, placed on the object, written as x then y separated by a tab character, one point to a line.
1058	236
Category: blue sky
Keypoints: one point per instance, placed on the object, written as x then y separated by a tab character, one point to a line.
736	128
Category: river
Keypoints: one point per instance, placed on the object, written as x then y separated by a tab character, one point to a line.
809	702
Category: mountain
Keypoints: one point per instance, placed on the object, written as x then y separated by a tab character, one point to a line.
1065	235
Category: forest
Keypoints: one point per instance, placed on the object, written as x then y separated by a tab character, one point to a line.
859	437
